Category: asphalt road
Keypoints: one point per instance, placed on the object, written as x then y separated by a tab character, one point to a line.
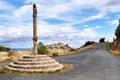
92	64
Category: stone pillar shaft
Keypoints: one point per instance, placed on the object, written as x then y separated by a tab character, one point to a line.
34	29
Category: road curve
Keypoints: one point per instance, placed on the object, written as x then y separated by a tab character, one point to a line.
92	64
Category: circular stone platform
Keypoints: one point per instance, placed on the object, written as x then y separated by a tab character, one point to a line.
32	63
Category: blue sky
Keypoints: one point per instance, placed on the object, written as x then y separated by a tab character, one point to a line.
70	21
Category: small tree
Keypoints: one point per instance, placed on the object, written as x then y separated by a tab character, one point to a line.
42	49
117	32
102	40
88	43
3	48
67	45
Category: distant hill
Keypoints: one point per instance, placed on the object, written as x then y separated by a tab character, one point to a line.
59	49
58	45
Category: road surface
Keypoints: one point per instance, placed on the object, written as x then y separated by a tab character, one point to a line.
92	64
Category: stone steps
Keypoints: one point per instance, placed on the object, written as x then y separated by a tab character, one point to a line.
36	70
34	66
35	59
39	63
34	62
33	56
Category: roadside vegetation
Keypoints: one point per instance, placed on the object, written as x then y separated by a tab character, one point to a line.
3	48
88	43
42	49
114	47
102	40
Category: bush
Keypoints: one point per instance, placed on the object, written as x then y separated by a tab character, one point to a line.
3	48
72	49
88	43
102	40
55	54
42	49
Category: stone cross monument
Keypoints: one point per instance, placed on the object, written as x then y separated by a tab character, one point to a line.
34	63
34	29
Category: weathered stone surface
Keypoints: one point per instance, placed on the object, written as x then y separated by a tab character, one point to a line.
35	63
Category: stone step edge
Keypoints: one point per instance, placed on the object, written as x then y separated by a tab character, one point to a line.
33	56
43	65
33	59
36	70
23	62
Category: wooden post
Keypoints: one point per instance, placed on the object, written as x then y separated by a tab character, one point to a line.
34	29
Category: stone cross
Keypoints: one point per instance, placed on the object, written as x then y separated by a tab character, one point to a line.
34	29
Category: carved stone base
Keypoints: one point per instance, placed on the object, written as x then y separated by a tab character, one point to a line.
32	63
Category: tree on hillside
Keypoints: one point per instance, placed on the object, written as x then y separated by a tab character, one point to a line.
88	43
3	48
102	40
117	32
42	49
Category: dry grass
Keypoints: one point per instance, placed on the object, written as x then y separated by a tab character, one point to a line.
79	50
13	55
3	70
114	49
87	47
67	67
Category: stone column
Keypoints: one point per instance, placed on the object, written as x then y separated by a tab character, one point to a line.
34	29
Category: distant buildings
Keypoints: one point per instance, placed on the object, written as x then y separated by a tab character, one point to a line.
58	45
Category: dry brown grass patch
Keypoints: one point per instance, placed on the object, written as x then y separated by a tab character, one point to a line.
114	49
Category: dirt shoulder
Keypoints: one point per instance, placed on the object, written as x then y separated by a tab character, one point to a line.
113	49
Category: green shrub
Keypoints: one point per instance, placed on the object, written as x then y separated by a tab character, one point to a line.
42	49
55	54
102	40
72	49
88	43
3	48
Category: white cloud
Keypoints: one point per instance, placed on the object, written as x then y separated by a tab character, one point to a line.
47	33
113	22
94	17
98	27
62	9
85	25
24	13
5	6
59	9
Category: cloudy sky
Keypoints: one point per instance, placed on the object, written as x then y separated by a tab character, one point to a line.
70	21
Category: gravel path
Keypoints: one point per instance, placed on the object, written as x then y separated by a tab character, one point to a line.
92	64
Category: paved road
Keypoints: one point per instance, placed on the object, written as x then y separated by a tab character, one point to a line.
92	64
